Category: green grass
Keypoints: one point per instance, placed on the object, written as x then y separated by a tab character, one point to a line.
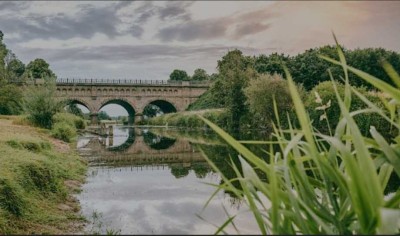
32	173
318	183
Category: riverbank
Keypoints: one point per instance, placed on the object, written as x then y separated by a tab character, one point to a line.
38	177
189	119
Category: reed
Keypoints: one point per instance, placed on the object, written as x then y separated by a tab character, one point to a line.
318	183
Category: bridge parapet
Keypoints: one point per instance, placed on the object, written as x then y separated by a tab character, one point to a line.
128	82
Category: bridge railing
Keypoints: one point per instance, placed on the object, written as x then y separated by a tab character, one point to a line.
127	81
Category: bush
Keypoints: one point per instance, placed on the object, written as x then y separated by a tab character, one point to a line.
11	198
261	93
10	100
63	131
41	105
324	111
43	178
71	119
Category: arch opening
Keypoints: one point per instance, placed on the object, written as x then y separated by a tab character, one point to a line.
78	108
119	110
157	108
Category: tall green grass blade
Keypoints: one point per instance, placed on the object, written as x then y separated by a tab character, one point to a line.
381	85
375	108
347	93
374	196
223	226
250	198
250	156
394	201
301	114
392	73
390	154
384	174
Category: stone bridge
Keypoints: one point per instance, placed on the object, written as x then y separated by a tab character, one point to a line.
133	95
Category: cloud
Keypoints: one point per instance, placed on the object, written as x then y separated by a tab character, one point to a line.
138	53
249	29
176	10
234	26
85	24
13	6
194	30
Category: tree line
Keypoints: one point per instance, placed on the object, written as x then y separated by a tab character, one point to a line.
247	85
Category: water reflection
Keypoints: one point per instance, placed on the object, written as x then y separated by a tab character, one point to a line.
148	181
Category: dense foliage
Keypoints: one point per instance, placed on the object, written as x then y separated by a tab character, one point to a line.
261	95
324	110
308	182
12	73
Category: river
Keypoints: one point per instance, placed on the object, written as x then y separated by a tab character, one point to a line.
156	181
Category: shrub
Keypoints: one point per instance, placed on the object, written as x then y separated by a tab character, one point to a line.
10	100
42	177
63	131
11	198
71	119
261	94
41	106
324	109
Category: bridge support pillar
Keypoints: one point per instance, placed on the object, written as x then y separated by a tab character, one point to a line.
93	119
138	117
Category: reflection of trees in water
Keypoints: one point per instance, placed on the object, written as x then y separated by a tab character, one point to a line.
201	169
157	142
223	157
179	171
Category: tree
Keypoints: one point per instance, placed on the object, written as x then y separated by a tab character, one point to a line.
74	109
200	74
151	110
15	68
3	54
270	64
308	69
41	105
103	116
179	75
39	68
369	60
235	71
10	100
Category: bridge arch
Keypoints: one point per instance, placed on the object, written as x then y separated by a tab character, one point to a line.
81	102
122	102
165	105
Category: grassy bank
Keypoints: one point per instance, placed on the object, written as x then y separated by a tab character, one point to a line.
189	119
38	174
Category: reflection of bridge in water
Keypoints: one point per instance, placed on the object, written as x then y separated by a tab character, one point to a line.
142	148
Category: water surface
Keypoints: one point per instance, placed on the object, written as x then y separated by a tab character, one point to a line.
156	181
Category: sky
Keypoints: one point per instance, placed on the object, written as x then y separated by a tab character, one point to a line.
149	39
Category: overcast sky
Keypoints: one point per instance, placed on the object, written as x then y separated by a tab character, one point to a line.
149	39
